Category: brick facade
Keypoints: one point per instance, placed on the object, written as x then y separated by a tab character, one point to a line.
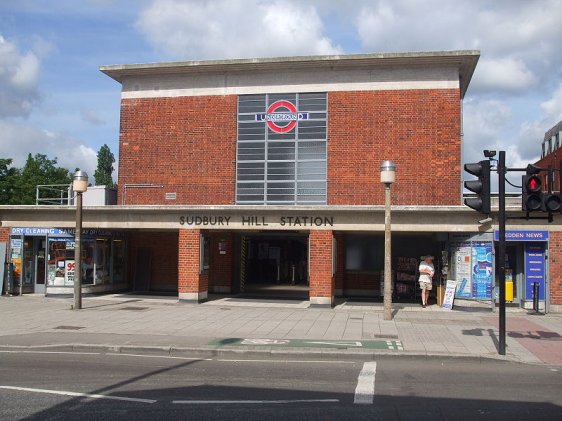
418	129
187	145
162	247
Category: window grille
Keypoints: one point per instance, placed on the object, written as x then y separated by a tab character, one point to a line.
282	167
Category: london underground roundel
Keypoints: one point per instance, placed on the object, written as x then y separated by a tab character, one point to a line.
282	116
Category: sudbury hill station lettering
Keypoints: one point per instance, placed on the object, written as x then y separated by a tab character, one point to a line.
257	221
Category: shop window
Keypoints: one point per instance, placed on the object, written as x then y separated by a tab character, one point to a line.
118	261
102	260
60	264
364	253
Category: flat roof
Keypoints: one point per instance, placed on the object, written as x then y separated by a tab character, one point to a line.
464	60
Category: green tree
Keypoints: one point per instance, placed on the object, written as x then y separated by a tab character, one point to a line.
104	171
8	177
38	170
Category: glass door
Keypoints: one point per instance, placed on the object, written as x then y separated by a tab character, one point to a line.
40	272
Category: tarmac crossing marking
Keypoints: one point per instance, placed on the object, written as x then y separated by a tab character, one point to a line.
393	345
365	390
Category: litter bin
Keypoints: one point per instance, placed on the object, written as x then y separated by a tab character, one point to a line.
509	291
440	294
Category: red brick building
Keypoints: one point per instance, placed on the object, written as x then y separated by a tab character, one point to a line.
263	176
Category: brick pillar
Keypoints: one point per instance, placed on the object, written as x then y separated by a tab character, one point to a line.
192	284
4	234
320	270
340	263
555	268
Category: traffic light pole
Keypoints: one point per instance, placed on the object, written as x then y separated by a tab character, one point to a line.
501	249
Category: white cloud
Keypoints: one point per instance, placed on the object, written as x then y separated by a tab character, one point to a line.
552	107
70	153
234	29
484	123
505	74
519	40
19	75
91	116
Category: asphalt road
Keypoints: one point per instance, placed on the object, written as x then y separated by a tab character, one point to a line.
61	386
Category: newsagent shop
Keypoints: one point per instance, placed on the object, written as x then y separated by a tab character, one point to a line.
261	177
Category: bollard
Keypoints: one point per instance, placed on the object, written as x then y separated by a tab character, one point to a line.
536	297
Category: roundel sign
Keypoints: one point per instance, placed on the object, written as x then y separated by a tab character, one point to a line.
282	116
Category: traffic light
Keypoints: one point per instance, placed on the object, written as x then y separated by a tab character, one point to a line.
481	187
551	202
533	198
532	194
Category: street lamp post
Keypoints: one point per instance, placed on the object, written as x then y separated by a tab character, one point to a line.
388	176
79	185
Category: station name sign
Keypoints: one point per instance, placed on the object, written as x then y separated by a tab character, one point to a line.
253	221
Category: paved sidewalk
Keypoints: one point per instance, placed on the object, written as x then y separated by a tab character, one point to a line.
272	328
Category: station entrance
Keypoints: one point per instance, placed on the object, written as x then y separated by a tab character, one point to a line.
273	264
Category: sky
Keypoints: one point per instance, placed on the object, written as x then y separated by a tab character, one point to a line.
55	101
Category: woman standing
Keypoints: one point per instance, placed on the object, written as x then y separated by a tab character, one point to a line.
427	271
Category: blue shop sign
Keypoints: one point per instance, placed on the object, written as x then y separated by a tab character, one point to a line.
516	235
43	231
64	232
535	269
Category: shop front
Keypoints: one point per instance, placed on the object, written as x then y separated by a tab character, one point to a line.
474	267
526	267
363	263
43	260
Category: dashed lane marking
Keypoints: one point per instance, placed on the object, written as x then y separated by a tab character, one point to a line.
253	402
77	394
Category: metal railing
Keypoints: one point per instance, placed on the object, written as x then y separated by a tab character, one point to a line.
53	194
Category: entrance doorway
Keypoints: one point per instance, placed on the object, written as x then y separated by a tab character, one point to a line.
273	265
514	272
34	269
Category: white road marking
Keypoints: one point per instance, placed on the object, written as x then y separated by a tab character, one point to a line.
158	356
253	402
77	394
50	352
285	361
365	390
265	342
353	343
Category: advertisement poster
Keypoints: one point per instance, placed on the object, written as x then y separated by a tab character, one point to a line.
534	269
69	273
482	270
449	297
15	257
464	271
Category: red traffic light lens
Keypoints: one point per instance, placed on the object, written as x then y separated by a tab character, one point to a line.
534	183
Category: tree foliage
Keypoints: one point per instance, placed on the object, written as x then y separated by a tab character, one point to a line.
18	186
8	179
104	170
